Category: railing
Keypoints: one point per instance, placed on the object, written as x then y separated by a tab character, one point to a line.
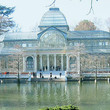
90	75
14	75
99	75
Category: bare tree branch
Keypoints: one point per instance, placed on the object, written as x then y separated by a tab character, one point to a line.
52	3
91	8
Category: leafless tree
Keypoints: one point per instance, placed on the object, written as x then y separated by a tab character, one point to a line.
16	28
17	60
90	10
108	24
98	23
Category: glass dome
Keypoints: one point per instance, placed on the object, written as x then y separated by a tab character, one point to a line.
54	17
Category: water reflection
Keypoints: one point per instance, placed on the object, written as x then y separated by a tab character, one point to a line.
32	96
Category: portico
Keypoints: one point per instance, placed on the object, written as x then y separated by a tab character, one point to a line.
51	62
45	62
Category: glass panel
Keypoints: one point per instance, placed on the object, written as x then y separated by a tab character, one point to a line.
52	39
72	64
106	43
23	45
100	43
29	63
29	45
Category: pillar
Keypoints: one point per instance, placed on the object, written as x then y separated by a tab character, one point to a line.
78	63
55	62
24	64
6	62
67	62
35	63
62	62
48	66
40	61
0	64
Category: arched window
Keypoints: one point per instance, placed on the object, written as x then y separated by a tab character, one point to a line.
29	63
52	39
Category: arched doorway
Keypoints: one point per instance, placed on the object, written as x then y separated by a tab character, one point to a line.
29	64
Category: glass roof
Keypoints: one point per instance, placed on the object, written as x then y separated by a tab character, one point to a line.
88	34
54	17
21	36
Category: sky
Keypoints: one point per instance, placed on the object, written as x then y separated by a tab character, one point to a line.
28	13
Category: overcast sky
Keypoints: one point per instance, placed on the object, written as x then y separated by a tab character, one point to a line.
28	13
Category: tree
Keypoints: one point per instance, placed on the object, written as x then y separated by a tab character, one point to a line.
85	25
77	51
17	63
108	24
90	10
35	28
6	22
53	2
16	28
98	23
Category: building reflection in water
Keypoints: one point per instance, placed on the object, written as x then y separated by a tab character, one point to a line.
51	93
43	94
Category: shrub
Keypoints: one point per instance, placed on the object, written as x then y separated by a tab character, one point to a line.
66	107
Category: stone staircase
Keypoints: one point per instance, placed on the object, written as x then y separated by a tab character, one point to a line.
55	76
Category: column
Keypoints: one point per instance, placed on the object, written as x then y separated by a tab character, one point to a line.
62	62
67	62
0	64
40	61
48	66
24	64
55	62
6	61
35	63
78	63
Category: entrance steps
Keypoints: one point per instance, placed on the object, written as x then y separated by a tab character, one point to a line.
48	80
46	76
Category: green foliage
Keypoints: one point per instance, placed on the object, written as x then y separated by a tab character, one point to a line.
66	107
6	11
5	21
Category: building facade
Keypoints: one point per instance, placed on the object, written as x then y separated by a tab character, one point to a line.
55	48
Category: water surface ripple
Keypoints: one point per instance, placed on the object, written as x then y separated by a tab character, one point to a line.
32	96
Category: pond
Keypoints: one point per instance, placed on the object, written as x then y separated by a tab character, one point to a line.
32	96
